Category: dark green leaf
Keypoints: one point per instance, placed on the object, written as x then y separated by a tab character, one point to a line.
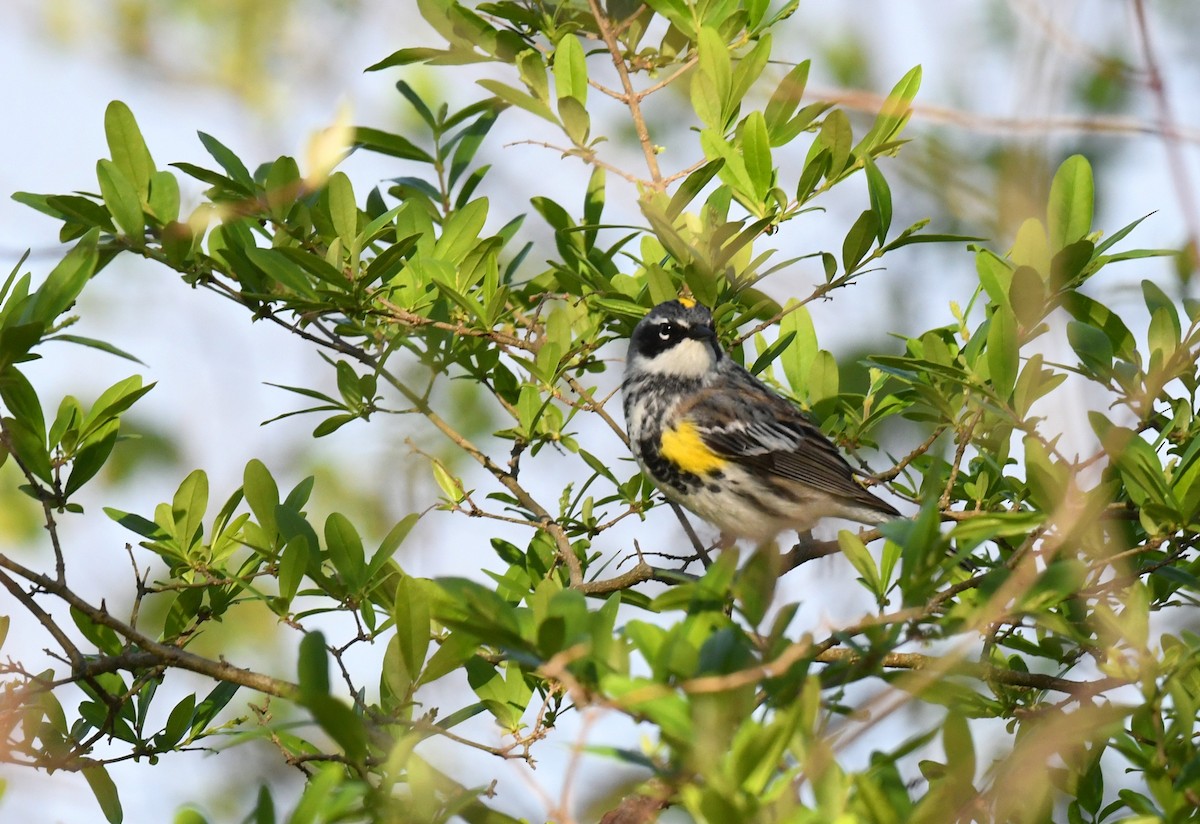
313	665
106	793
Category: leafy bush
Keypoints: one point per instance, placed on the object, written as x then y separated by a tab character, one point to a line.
1021	588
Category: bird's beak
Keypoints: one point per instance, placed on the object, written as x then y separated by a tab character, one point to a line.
704	333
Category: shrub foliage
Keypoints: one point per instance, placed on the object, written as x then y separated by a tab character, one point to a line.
1020	589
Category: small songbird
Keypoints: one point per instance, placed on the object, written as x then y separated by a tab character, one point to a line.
720	443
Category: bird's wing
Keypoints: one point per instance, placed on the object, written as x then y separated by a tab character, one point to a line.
762	430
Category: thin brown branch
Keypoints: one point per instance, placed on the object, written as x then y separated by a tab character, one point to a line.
671	78
1180	176
640	808
921	449
630	98
866	101
964	440
640	573
585	154
164	654
64	642
982	672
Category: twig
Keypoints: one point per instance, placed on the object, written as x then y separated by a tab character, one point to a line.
585	154
982	672
865	101
1180	178
164	654
964	440
630	98
921	449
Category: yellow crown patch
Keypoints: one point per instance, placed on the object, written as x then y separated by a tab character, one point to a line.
688	303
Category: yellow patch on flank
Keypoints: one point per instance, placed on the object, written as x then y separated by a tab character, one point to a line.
684	447
687	303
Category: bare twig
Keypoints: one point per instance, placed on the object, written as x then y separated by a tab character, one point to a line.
865	101
630	98
1180	177
164	654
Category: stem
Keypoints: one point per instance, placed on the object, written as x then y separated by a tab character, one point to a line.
631	97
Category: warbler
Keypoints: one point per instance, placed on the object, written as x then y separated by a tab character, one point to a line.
722	444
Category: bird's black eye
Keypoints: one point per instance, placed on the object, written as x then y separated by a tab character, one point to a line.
666	331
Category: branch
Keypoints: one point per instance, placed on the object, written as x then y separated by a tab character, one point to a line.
982	672
865	101
630	98
1180	177
162	654
641	573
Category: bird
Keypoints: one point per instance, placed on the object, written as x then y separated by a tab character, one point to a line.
722	444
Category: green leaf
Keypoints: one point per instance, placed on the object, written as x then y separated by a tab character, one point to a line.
105	791
881	198
21	400
960	751
797	359
178	722
893	114
1095	314
230	162
276	266
212	704
570	69
1165	333
771	353
1093	347
461	232
692	185
163	203
262	495
342	208
454	651
392	145
859	240
713	80
1003	356
137	524
411	612
749	68
92	343
823	377
836	135
313	667
856	551
128	147
113	401
783	102
341	723
293	563
65	281
756	152
518	98
575	119
995	275
188	507
122	201
92	456
1031	247
1072	196
345	549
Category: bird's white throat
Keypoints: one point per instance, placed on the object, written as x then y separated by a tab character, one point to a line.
688	358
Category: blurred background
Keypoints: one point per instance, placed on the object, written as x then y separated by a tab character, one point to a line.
1011	87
